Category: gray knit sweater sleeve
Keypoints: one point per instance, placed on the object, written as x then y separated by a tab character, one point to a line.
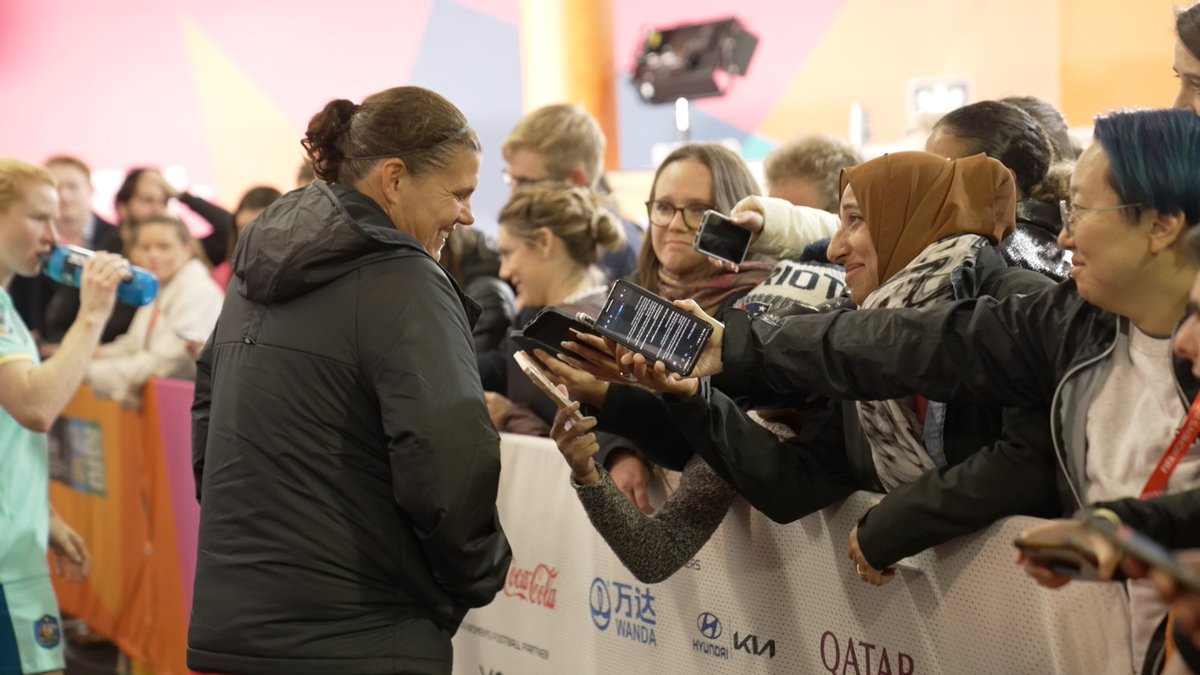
655	547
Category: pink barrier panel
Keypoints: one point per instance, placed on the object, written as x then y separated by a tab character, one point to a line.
175	427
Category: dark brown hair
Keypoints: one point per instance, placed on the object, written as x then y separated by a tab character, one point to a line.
1052	122
345	140
259	197
1006	133
129	186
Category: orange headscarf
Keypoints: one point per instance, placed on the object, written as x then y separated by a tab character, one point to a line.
910	200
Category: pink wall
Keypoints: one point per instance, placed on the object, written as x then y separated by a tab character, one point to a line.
224	88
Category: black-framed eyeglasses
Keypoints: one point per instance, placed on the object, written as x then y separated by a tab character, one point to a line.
663	213
1070	213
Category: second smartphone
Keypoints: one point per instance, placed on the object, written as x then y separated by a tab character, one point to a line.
653	327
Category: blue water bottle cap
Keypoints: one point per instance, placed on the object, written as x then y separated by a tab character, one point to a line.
140	289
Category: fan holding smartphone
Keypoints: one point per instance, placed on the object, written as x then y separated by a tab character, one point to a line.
550	240
720	238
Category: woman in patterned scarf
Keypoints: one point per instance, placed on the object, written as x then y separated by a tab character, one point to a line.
916	230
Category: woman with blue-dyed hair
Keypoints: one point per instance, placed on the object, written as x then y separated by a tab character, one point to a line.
1096	350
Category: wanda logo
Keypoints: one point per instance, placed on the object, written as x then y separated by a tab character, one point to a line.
535	586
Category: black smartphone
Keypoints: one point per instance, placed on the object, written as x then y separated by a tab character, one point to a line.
1070	558
719	238
653	327
548	329
1143	548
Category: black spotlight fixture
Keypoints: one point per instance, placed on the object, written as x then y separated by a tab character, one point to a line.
692	60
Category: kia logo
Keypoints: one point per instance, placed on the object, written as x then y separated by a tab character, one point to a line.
601	604
709	625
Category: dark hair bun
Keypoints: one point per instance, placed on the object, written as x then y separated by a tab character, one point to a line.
326	136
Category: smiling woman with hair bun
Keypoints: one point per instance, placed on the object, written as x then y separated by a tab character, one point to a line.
344	460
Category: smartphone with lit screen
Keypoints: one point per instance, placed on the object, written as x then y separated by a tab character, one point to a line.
653	327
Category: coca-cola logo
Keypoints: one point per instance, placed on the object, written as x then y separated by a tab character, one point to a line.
535	586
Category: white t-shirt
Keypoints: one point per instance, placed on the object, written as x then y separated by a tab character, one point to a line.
1130	424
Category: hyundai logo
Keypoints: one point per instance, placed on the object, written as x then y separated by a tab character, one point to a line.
601	604
709	625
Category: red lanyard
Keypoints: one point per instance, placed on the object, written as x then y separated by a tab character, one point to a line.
1184	439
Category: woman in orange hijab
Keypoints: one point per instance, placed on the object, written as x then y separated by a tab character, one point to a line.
909	221
916	230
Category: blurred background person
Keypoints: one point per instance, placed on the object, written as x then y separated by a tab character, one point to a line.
1063	148
552	237
563	142
472	259
78	224
1007	133
805	171
144	194
156	344
253	202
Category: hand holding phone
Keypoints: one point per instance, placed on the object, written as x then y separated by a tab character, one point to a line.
578	446
534	373
549	328
654	375
1138	546
653	327
1067	557
721	238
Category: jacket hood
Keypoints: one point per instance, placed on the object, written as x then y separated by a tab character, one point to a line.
1043	215
310	237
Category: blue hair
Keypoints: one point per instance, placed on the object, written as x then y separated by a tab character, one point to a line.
1155	158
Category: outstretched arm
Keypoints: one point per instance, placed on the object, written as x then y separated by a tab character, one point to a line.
984	350
1015	475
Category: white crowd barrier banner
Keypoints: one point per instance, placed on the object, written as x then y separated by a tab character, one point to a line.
762	597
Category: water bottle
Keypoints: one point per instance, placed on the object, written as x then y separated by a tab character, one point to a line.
65	265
